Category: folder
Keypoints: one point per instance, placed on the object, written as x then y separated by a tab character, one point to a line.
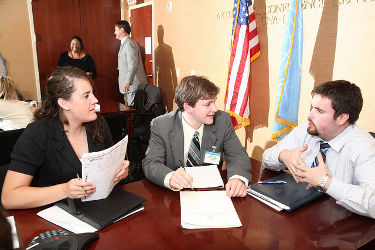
289	196
102	213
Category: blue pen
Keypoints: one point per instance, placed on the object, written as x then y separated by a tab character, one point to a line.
272	182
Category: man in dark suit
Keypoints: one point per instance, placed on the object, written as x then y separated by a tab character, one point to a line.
197	127
130	65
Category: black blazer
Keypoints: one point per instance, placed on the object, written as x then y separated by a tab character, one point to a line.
44	151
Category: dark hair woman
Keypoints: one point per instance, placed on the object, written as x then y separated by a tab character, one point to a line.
76	57
46	158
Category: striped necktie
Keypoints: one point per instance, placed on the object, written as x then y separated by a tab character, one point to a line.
324	146
194	153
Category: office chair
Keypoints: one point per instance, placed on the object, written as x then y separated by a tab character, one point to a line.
148	103
8	139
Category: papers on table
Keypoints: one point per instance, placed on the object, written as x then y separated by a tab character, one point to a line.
100	168
205	176
16	243
63	219
207	209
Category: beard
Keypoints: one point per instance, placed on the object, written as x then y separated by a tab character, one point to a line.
312	129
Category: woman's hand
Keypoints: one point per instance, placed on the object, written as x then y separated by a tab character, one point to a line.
123	172
78	188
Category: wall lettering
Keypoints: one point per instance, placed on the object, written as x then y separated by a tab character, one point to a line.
274	14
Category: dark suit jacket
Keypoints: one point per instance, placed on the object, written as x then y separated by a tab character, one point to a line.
44	151
166	148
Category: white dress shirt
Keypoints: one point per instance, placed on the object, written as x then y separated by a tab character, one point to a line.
188	136
350	162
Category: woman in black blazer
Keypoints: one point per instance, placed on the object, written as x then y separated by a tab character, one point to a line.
46	158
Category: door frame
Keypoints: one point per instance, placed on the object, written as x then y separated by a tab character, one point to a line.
152	36
33	45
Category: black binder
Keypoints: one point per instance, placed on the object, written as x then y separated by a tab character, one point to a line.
102	213
289	196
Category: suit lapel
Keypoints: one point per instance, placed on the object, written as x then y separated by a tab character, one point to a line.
208	140
177	140
63	146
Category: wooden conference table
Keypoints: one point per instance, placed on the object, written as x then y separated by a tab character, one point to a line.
318	225
110	106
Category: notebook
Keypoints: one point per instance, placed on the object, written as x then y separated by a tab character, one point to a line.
289	196
101	213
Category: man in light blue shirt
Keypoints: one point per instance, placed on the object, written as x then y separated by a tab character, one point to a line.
348	174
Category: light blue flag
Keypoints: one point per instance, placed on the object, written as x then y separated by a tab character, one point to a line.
289	84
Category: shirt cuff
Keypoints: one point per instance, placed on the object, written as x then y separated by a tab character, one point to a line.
334	190
166	181
246	181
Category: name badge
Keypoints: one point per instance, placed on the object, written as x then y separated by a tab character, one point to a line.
212	158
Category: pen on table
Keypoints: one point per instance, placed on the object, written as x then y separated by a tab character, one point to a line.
272	182
183	167
79	178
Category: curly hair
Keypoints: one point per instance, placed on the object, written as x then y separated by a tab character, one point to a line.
61	84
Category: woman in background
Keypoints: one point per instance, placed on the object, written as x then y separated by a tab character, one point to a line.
46	158
14	114
76	57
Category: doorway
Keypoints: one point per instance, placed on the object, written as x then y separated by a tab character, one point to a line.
142	32
56	21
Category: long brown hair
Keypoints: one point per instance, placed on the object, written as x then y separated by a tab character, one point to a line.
61	84
7	89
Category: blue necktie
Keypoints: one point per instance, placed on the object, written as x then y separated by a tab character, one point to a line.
324	146
194	154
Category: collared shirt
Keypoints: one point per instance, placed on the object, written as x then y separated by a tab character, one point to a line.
123	41
350	162
188	136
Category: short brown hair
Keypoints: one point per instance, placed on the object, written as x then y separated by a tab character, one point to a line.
193	88
345	96
124	25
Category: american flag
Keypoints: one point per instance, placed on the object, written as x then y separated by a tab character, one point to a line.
245	49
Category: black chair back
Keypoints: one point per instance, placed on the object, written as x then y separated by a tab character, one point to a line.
8	139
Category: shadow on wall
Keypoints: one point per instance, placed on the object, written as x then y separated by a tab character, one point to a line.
259	88
323	58
165	70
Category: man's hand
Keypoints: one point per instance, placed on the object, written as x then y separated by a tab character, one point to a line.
292	159
235	188
312	176
180	179
126	87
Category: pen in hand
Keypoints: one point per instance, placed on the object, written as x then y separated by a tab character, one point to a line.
79	178
183	167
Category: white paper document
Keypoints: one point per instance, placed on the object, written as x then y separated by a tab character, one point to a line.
16	243
100	168
60	217
205	176
207	209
